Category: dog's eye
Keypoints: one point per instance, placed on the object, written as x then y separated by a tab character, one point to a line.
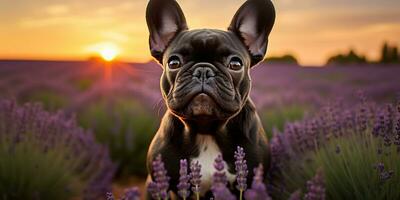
174	62
235	63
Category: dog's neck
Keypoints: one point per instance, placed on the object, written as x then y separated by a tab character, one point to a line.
204	126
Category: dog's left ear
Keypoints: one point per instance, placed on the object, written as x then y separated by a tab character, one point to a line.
165	20
253	23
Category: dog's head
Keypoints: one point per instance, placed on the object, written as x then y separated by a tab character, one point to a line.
205	71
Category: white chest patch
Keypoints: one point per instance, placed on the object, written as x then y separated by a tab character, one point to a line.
209	150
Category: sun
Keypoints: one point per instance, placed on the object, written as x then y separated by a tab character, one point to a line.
108	53
106	50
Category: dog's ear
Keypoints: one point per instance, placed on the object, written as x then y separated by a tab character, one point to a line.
165	20
253	23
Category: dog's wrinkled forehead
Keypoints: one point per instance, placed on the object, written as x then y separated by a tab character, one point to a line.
207	44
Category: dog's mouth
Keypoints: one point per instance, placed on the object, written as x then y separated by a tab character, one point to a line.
202	105
205	101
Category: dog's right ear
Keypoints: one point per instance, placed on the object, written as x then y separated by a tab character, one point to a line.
165	20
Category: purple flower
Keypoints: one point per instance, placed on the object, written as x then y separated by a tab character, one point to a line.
380	167
131	194
154	191
159	187
386	175
295	195
258	190
221	192
195	177
316	187
109	196
241	169
397	127
389	118
184	185
219	176
218	188
337	150
381	123
383	174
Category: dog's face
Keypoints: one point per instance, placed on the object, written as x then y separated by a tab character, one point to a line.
206	72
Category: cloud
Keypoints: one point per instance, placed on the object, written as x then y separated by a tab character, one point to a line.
65	21
59	9
115	36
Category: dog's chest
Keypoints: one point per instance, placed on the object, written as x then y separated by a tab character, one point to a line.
209	150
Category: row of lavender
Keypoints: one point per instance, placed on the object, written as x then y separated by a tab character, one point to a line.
189	185
280	84
80	83
273	84
47	156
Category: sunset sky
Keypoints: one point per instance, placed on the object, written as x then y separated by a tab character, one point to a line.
75	29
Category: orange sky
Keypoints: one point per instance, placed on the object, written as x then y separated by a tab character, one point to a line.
310	29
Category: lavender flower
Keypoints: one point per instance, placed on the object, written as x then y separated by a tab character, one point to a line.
219	189
154	191
295	195
131	194
195	178
383	174
159	187
380	167
386	175
258	190
337	150
397	128
219	176
184	185
316	187
241	170
221	192
109	196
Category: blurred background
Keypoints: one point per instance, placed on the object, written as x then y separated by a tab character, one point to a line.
90	59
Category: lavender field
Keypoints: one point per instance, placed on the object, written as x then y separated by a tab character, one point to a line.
120	105
72	86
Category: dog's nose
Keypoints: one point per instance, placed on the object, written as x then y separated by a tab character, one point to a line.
203	73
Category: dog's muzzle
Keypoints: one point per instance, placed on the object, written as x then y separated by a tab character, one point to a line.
203	103
203	72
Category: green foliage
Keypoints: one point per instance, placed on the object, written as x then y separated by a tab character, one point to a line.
50	100
277	117
350	58
47	156
354	169
389	54
350	172
385	57
26	172
83	84
288	59
126	127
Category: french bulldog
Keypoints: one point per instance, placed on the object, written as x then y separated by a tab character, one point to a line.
205	85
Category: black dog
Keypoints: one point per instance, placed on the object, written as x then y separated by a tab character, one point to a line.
205	85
